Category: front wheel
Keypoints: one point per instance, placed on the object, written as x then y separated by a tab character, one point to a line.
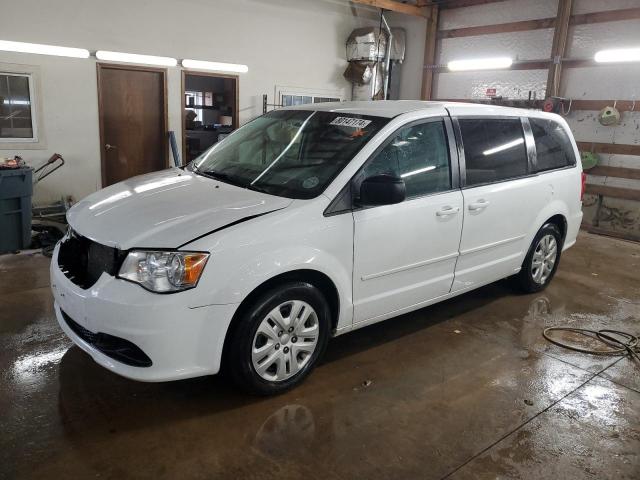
542	260
279	339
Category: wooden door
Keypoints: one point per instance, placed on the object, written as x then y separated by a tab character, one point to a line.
133	121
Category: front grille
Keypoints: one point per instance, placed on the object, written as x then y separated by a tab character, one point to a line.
83	260
114	347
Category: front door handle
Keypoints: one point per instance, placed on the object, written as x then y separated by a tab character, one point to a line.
109	147
479	205
446	211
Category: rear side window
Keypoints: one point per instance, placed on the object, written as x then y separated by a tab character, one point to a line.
553	145
494	149
418	154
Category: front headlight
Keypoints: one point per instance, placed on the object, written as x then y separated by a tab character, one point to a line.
162	271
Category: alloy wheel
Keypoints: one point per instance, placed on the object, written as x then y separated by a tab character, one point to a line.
544	258
285	341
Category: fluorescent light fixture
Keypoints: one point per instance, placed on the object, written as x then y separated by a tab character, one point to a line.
40	49
480	64
135	58
217	66
618	55
420	170
501	148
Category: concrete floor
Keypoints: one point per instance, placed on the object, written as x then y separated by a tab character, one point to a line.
464	389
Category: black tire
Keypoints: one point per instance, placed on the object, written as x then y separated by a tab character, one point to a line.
239	365
525	278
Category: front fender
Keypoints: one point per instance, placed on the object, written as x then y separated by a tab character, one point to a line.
247	255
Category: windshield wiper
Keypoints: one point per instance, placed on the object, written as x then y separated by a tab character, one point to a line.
226	178
218	176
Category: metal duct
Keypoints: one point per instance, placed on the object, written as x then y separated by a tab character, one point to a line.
366	43
387	62
370	52
398	44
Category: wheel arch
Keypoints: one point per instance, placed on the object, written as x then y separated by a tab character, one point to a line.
560	221
555	212
316	278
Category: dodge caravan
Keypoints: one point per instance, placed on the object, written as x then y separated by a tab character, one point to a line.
309	222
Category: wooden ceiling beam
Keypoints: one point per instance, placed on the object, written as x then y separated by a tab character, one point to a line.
560	37
522	26
465	3
429	54
613	148
606	16
576	105
540	23
396	6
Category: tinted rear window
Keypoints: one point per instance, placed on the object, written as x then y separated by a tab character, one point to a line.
494	149
553	145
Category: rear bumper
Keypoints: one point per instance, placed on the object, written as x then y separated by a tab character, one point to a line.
573	227
180	341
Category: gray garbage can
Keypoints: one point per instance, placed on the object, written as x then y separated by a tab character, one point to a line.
15	209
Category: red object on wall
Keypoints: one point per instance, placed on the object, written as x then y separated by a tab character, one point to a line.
491	92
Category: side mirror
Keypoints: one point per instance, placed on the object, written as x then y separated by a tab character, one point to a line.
382	190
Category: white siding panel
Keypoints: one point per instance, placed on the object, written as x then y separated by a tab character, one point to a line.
586	40
586	128
608	82
590	6
531	45
500	12
509	84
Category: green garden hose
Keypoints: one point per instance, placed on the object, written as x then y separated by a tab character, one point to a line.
624	344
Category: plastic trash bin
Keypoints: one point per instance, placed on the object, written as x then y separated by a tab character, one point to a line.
15	209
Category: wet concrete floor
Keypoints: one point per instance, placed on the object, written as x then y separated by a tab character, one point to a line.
464	389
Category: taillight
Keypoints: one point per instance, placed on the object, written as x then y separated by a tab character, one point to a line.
584	185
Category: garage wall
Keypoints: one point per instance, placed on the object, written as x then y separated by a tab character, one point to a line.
590	83
296	43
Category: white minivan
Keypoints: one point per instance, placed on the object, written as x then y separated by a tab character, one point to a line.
309	222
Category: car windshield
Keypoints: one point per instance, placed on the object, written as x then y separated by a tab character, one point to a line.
290	153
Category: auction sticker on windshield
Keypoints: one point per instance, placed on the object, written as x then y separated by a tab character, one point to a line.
350	122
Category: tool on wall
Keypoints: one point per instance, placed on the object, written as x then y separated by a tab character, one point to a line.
589	160
557	105
609	115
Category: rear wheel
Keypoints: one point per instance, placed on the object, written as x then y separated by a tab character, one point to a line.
542	260
279	339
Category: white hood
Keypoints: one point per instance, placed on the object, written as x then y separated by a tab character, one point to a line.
165	209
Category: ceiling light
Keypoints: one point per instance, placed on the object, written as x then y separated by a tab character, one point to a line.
217	66
618	55
480	64
39	49
135	58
